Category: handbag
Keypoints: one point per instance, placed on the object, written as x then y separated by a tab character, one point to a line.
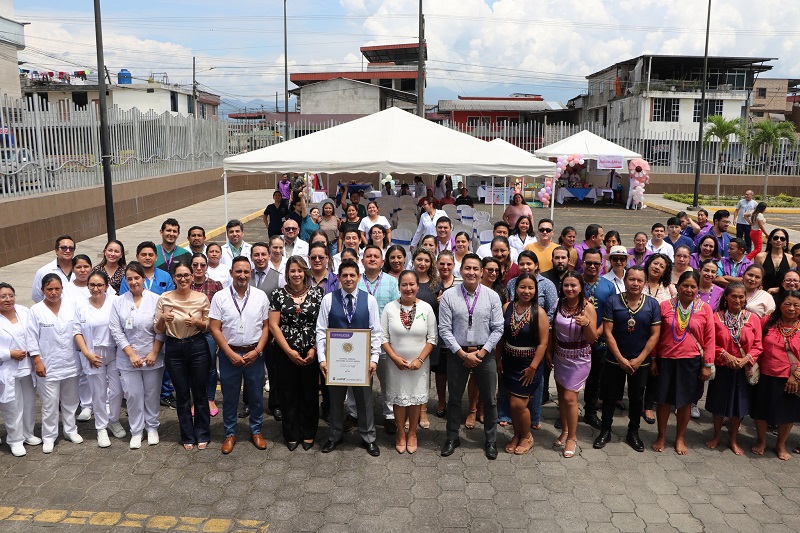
752	373
793	363
702	353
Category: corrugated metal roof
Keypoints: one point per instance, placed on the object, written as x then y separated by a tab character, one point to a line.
446	106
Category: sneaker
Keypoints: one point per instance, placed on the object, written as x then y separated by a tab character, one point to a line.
117	430
85	415
18	450
102	438
47	446
73	437
33	440
266	386
169	402
136	442
695	411
152	437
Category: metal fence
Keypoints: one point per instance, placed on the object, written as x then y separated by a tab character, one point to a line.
58	148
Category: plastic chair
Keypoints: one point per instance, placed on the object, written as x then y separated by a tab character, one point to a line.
485	236
467	215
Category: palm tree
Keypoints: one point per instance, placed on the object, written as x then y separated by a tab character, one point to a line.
722	129
768	134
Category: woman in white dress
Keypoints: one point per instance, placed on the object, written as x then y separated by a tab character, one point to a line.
521	235
216	270
50	344
408	328
374	218
17	395
139	357
99	358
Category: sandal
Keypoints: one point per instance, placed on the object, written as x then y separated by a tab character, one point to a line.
424	423
188	447
512	445
502	424
570	453
470	422
525	447
536	427
558	443
202	445
796	449
441	412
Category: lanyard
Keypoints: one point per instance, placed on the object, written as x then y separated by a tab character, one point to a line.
470	308
448	246
234	251
246	297
146	286
375	287
350	314
167	260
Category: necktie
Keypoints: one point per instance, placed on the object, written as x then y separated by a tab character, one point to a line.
259	277
349	302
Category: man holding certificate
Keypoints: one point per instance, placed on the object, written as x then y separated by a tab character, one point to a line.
352	316
471	324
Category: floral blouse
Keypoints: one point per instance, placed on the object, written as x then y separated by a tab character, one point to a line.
299	329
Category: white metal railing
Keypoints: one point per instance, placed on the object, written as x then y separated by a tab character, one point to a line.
57	148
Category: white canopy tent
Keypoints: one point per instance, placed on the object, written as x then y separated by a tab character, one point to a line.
392	140
586	143
514	149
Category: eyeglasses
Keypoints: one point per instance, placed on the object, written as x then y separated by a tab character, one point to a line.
183	276
4	297
778	238
592	263
199	265
317	257
291	229
545	230
67	248
492	270
619	258
96	285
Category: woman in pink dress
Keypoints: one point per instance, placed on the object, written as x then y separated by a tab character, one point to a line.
517	209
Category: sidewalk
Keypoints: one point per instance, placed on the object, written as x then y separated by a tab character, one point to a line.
659	203
244	205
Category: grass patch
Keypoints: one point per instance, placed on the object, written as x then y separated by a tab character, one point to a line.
782	200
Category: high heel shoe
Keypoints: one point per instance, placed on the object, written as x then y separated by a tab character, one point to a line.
411	448
524	447
570	453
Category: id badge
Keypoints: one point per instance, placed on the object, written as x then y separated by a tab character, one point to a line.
470	337
240	326
129	322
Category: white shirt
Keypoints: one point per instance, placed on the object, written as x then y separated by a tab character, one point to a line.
141	335
485	250
50	268
221	273
50	336
366	224
374	320
81	295
93	324
254	314
12	337
337	260
300	248
517	243
619	284
427	225
665	248
419	190
227	253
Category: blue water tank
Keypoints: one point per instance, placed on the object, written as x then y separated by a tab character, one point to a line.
124	77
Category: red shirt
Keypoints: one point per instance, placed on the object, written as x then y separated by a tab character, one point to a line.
774	360
749	338
701	326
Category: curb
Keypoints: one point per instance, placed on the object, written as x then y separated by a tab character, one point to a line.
221	229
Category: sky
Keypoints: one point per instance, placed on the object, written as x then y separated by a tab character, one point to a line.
475	47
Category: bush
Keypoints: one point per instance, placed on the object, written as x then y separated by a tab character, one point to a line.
782	200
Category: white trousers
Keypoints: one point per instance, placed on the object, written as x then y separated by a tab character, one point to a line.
19	415
386	407
51	393
143	392
85	390
106	391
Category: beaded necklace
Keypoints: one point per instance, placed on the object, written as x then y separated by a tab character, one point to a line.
788	331
632	312
407	317
683	317
735	323
297	298
518	321
590	288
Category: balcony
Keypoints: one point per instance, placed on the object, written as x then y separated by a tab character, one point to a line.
11	32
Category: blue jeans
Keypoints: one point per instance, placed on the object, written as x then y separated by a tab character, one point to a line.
534	404
231	377
212	373
188	361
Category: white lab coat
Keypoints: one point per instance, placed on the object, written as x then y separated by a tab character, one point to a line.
50	336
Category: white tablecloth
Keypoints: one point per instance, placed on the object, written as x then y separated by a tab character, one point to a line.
563	193
318	196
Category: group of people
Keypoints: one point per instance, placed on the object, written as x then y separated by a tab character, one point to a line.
678	309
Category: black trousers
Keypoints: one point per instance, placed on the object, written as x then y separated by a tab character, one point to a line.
650	392
299	397
592	392
612	389
743	232
271	355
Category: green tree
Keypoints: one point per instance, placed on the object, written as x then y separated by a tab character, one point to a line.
767	136
722	129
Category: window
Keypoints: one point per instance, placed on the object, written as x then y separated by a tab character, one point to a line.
173	101
665	110
80	98
473	122
761	92
713	107
759	114
501	121
408	85
190	105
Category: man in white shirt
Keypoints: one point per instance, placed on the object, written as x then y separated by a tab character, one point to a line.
235	246
657	244
292	243
350	308
427	221
239	323
61	265
745	205
500	230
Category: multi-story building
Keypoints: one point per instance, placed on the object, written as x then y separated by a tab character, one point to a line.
12	40
769	100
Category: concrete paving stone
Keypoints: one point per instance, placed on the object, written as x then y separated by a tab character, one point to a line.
618	503
673	504
235	489
627	522
289	492
669	461
455	498
479	474
713	487
479	491
338	513
587	494
707	513
685	523
374	504
284	510
367	523
557	483
763	514
780	504
509	518
509	500
610	485
227	507
747	496
792	494
335	528
661	486
502	466
641	495
728	504
426	511
543	526
695	495
540	510
296	475
347	478
206	495
455	516
681	478
424	472
534	492
593	512
528	476
445	466
660	528
317	501
505	483
482	525
482	509
783	479
742	522
319	485
651	513
571	523
451	482
397	515
426	489
268	482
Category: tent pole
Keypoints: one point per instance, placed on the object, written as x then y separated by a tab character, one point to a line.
225	192
552	200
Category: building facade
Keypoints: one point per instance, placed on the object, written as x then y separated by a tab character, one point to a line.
12	40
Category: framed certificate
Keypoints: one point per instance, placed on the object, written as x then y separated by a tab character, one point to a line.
348	355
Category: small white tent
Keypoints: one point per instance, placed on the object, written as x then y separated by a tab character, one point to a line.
512	148
586	143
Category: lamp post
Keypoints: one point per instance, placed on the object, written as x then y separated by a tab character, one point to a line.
421	66
695	204
105	138
285	77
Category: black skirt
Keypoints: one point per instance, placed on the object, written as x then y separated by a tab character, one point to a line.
773	404
729	394
677	381
439	359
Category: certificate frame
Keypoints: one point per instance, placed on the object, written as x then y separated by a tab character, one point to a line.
348	357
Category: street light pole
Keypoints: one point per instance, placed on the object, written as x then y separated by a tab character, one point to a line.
695	203
105	138
421	65
285	77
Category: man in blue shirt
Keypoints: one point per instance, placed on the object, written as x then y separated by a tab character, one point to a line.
674	235
597	290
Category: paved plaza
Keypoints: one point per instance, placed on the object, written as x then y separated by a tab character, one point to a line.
164	488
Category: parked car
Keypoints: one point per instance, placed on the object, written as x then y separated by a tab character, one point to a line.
19	169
